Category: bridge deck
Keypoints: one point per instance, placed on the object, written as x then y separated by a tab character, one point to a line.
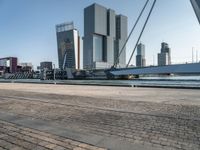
193	68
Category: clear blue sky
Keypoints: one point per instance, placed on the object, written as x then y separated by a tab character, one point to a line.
27	27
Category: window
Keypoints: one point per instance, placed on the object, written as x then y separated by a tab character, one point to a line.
98	48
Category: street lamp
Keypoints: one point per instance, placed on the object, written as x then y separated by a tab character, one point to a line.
54	73
192	54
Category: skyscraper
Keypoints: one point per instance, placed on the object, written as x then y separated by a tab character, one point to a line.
104	35
121	36
68	42
164	58
140	57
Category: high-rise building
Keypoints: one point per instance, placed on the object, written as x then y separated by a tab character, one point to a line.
104	35
164	58
68	42
140	57
121	36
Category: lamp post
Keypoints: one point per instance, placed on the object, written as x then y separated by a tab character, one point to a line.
54	73
192	54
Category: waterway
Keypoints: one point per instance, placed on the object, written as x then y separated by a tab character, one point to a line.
164	81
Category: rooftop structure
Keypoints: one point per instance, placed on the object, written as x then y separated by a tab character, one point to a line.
64	27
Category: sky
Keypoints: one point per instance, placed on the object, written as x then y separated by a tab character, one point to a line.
27	27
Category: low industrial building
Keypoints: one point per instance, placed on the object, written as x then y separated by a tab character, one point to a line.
25	67
46	65
8	65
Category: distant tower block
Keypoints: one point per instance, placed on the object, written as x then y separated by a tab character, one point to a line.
140	58
164	58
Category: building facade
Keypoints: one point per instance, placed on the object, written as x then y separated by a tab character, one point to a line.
46	65
140	57
9	64
25	67
104	35
164	57
68	43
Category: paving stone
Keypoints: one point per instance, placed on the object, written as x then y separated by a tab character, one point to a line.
19	139
168	126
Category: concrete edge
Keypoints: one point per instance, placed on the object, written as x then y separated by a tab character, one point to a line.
103	84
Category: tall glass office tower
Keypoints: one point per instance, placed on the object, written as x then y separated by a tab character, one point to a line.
104	35
68	43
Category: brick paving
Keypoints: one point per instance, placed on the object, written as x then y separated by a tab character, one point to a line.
166	126
15	137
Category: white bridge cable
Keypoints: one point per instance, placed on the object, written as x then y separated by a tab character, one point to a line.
152	7
117	59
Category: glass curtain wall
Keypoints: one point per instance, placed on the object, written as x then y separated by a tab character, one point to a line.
98	48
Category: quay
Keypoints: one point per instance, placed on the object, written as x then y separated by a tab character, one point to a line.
77	117
147	83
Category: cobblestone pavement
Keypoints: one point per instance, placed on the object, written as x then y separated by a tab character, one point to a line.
167	126
14	137
177	109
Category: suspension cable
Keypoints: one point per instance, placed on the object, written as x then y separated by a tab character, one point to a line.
117	59
141	32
